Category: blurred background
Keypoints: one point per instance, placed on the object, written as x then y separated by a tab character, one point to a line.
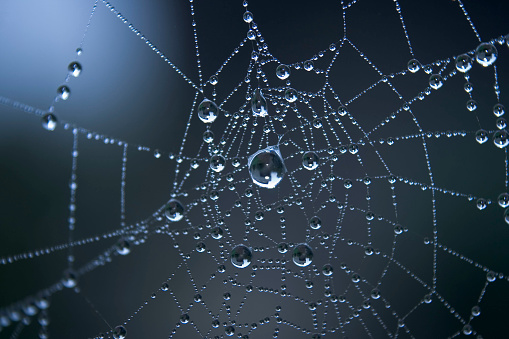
127	93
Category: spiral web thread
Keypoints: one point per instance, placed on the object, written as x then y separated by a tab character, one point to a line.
359	297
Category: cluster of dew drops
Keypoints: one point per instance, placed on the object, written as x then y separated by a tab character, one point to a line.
267	168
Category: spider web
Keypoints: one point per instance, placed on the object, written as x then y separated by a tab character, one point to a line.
408	199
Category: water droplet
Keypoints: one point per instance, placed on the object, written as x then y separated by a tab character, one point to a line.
49	122
241	256
258	104
251	35
342	110
308	65
464	63
503	200
291	95
201	247
119	332
317	123
69	280
213	80
327	270
498	110
413	65
197	298
79	51
217	232
375	293
398	229
63	92
310	160
74	69
427	299
356	278
481	204
207	111
435	81
476	311
123	247
468	87
302	255
282	247
174	211
486	54
315	223
208	136
248	16
353	148
501	123
481	136
217	163
471	105
266	167
282	72
467	329
229	331
500	139
491	276
184	318
236	162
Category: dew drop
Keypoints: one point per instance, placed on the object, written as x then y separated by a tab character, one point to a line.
217	163
283	72
500	139
327	270
208	136
123	247
310	160
498	110
184	318
375	293
481	136
302	255
241	256
174	211
467	329
259	104
413	66
248	17
308	65
435	81
315	223
486	54
476	311
267	167
282	247
213	80
464	63
217	232
503	200
63	92
207	111
251	35
471	105
119	332
229	331
69	280
49	122
291	95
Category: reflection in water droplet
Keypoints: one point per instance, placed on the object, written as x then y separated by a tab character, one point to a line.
207	111
464	63
241	256
258	104
266	167
74	69
217	163
63	92
49	122
310	160
486	54
435	81
302	255
282	72
174	211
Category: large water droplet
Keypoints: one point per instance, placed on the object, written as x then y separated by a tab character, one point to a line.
481	136
435	81
49	122
413	65
74	69
248	16
266	167
315	223
498	110
217	233
217	163
123	247
310	160
229	331
119	332
486	54
291	95
308	65
174	211
500	139
207	111
259	104
503	200
302	255
241	256
464	63
282	72
208	136
327	270
63	92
